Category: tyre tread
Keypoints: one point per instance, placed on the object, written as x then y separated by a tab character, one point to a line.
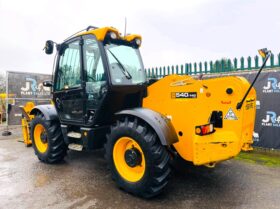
159	168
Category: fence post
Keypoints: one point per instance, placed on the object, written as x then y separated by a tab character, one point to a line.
200	67
186	69
217	65
164	72
172	69
235	63
182	69
195	68
223	65
205	67
160	72
190	68
168	70
211	66
156	72
229	65
249	60
242	63
153	72
272	60
256	61
278	59
177	69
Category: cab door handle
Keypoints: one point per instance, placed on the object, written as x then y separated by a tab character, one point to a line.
58	103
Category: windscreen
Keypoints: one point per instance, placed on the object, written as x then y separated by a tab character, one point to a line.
125	64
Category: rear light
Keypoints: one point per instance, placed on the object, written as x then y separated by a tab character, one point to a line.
204	129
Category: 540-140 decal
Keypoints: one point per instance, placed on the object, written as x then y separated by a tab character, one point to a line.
183	95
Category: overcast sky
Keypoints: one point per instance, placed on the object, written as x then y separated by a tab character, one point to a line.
174	32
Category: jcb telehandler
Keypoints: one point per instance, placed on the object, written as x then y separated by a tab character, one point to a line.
101	97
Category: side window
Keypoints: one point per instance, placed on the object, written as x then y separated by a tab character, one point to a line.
94	70
69	71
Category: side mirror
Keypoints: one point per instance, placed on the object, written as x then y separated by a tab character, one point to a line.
49	47
48	83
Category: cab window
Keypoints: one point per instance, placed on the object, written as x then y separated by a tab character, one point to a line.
94	72
69	70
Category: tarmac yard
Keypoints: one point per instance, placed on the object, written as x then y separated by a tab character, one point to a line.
83	181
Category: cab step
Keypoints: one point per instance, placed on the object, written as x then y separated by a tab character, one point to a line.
73	134
76	147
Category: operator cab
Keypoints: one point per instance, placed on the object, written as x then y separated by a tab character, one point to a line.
97	73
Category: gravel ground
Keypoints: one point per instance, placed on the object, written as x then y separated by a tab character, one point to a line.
82	181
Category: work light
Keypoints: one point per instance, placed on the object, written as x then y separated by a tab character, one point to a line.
263	52
138	41
113	35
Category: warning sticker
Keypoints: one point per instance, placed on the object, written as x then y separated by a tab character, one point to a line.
230	115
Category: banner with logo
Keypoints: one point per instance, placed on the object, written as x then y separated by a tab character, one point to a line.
267	126
24	87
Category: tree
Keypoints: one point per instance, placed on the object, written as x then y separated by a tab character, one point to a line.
2	83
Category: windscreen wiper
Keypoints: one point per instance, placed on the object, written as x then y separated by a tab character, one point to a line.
125	72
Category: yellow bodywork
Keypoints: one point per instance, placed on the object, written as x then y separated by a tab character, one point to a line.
100	34
187	113
25	121
3	103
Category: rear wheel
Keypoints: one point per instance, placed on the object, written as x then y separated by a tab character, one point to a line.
47	140
138	162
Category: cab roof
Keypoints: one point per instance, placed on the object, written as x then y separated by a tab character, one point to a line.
100	33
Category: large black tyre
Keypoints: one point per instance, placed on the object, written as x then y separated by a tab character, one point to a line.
156	172
51	148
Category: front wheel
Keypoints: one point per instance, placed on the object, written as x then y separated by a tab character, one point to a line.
47	140
138	162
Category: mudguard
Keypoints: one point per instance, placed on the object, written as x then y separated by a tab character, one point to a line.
48	111
161	124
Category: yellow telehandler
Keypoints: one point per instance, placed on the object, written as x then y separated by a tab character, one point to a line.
101	97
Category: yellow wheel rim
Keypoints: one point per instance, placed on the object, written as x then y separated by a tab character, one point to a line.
131	174
41	144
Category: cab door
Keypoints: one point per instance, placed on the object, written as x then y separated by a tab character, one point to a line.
95	79
68	89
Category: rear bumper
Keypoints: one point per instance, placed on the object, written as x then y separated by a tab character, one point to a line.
215	147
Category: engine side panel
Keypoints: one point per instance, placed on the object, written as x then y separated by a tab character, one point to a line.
188	103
